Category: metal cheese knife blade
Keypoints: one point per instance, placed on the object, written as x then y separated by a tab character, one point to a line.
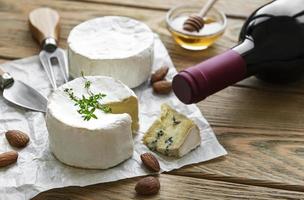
21	94
44	25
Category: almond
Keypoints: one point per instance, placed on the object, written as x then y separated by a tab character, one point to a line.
162	87
147	186
17	138
150	161
159	74
8	158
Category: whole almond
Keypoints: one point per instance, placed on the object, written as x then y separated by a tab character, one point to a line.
17	138
8	158
147	186
150	161
162	87
159	74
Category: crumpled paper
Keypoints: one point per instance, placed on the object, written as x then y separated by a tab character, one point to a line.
37	170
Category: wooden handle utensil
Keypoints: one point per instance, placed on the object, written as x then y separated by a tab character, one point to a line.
196	22
44	24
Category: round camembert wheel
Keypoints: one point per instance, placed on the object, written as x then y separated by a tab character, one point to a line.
96	143
119	47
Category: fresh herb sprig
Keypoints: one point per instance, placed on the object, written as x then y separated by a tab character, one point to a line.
88	105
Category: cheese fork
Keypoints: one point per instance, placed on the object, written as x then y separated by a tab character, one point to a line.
44	26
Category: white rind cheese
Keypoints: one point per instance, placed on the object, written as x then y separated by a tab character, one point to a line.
173	134
98	143
119	47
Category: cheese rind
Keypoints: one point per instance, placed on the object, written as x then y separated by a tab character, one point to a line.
119	47
173	134
90	149
98	143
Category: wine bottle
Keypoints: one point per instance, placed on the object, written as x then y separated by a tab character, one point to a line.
271	48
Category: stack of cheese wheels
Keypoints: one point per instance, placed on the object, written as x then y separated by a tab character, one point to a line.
113	46
97	143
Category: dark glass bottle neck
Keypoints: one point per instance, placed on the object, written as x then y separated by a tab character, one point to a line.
246	49
273	40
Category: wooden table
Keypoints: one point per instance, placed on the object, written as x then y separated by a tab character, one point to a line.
260	125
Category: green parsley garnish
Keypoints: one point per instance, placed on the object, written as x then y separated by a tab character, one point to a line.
88	105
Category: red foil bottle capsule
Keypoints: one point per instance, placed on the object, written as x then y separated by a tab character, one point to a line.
196	83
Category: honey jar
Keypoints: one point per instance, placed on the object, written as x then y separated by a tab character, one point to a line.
215	23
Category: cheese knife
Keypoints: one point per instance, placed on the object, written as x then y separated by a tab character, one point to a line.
21	94
44	26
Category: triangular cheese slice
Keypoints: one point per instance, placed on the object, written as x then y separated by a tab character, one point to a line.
173	134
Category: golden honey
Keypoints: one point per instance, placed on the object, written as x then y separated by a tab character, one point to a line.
211	31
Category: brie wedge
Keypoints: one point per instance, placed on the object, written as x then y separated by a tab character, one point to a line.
97	143
173	134
114	46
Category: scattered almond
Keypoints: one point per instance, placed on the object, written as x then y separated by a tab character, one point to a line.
8	158
162	87
147	186
150	161
159	74
17	138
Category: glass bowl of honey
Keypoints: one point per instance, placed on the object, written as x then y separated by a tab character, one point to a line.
215	23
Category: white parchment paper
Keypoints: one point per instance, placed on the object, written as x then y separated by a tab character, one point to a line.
38	170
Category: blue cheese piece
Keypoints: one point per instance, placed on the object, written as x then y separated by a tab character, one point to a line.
173	134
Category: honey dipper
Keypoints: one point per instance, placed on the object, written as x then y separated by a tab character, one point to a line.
196	22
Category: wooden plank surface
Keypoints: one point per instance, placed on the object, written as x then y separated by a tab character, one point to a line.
233	7
260	125
172	187
13	18
270	158
253	108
